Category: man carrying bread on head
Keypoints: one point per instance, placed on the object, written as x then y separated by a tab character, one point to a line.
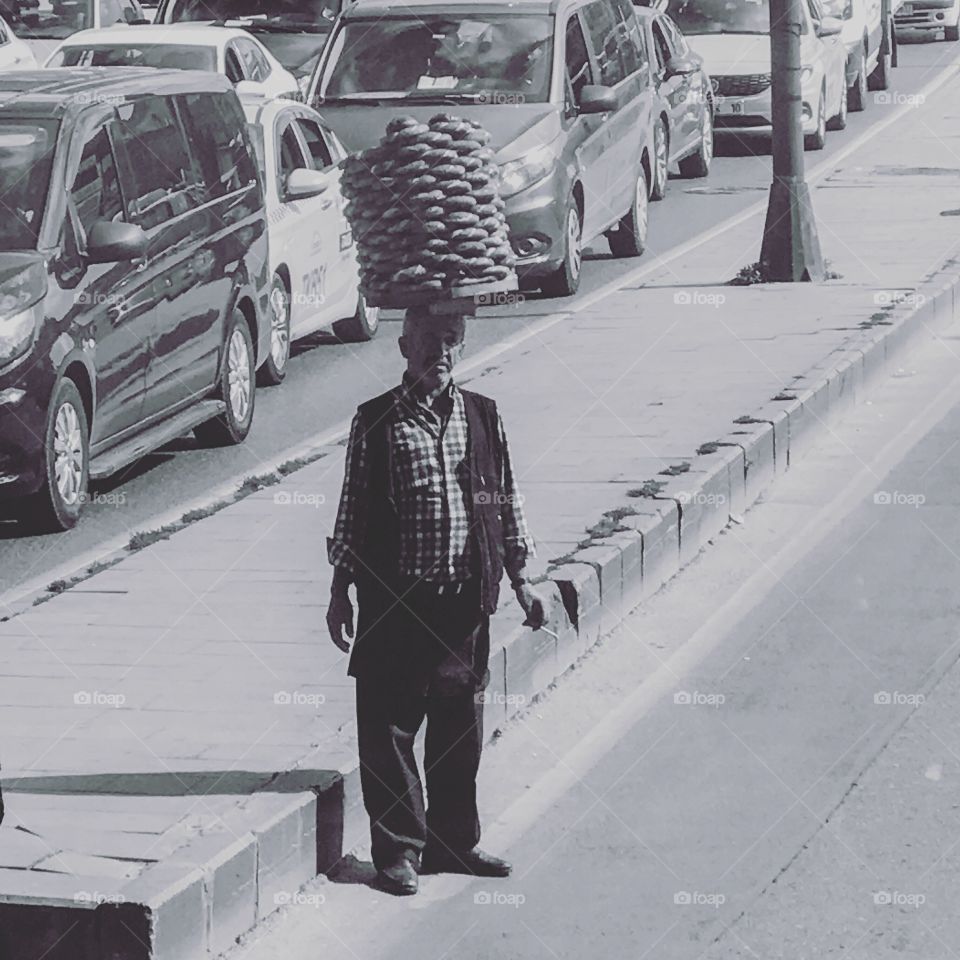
429	521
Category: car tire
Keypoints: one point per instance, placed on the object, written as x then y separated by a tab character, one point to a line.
274	368
362	326
818	139
880	78
839	120
565	280
661	160
857	94
236	387
630	237
57	505
698	164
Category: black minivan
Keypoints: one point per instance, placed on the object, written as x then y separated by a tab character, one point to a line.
133	275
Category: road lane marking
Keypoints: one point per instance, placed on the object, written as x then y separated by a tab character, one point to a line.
308	448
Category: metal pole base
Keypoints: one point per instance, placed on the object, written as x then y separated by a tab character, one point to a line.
791	246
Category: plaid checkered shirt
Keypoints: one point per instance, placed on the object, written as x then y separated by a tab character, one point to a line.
428	447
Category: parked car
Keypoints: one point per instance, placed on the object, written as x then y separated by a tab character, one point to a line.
313	263
734	41
133	275
683	120
230	51
929	16
563	86
44	24
14	53
293	30
868	60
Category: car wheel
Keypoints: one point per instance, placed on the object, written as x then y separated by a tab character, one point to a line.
565	280
237	388
58	504
952	33
839	120
880	78
362	326
818	139
275	368
630	237
857	94
698	164
661	159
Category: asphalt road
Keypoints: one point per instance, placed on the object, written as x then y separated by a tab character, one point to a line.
675	782
326	380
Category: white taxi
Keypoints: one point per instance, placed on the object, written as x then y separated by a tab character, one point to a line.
14	53
312	253
244	60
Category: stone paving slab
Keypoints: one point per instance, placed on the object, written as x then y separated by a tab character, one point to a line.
197	672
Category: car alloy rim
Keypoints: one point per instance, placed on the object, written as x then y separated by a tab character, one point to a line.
642	201
661	157
573	242
862	77
706	136
68	454
238	376
822	117
279	326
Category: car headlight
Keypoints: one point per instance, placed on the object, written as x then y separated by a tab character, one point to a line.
519	174
16	334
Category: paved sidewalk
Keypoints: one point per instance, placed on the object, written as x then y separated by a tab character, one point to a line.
198	670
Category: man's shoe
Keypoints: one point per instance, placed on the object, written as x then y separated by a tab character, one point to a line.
400	878
474	863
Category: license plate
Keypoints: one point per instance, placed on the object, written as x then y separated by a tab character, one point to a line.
731	106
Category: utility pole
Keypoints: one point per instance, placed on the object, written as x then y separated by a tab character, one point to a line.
791	247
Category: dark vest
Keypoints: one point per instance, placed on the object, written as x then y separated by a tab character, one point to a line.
378	560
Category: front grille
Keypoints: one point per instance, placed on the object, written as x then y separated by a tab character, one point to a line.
741	85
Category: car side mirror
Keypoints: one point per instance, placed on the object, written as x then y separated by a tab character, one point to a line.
680	67
829	27
111	242
302	184
247	88
595	98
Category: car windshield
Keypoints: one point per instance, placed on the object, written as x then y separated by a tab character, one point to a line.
720	16
49	19
26	159
470	57
168	55
294	31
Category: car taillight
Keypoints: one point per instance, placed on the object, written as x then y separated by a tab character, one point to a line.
21	289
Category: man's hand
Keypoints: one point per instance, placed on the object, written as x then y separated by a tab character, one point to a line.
532	605
340	616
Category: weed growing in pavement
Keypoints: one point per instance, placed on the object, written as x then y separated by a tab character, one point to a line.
749	275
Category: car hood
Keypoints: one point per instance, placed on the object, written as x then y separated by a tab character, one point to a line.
513	128
726	54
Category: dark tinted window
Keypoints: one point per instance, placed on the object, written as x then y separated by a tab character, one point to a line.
661	45
578	58
168	55
96	190
217	132
26	158
316	143
234	66
631	46
677	39
606	30
160	172
52	19
291	155
257	68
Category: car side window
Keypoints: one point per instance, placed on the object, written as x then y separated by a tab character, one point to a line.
130	11
216	134
662	47
95	194
316	143
292	156
234	67
632	49
255	67
159	169
677	40
605	36
579	72
4	35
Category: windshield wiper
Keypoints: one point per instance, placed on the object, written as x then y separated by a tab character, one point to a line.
450	96
261	26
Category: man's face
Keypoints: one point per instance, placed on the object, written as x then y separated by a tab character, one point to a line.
432	347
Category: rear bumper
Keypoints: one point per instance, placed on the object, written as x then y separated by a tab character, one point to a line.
756	116
923	18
